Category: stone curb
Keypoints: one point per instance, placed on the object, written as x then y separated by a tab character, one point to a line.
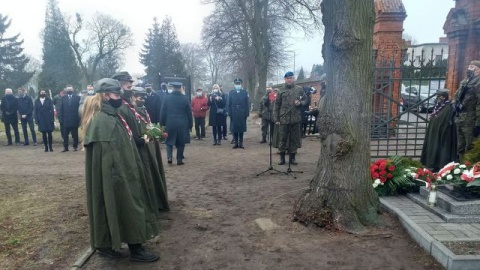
441	253
83	259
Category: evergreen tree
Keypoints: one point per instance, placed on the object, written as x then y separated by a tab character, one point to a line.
12	59
59	65
161	53
317	71
301	75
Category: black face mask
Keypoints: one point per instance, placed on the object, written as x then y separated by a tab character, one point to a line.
116	103
42	95
149	90
470	73
140	103
69	92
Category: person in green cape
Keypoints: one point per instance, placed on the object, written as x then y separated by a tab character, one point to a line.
150	151
115	203
440	144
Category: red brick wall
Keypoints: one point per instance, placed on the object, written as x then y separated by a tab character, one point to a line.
463	40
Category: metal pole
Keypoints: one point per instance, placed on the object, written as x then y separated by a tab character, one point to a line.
293	62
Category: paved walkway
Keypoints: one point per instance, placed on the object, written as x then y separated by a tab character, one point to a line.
432	224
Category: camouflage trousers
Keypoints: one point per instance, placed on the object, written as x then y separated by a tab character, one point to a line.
267	128
290	138
464	138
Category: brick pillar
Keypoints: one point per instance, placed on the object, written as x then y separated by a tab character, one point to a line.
389	47
463	32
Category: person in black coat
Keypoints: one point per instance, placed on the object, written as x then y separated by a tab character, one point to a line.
45	118
152	104
25	110
217	115
9	107
69	117
304	109
238	110
176	117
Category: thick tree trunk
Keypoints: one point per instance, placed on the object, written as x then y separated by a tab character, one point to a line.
341	193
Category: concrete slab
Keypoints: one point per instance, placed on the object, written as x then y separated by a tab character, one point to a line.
266	224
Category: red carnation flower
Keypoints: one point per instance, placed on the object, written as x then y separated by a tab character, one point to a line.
391	168
389	176
383	179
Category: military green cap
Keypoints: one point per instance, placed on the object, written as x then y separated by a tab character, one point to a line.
139	91
443	92
123	76
107	85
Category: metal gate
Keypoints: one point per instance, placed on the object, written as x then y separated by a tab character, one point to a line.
403	97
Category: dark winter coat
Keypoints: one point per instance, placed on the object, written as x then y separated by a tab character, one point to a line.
153	105
177	118
68	114
305	107
238	110
9	107
44	115
216	119
25	106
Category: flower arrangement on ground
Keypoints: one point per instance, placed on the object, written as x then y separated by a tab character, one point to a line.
458	174
389	176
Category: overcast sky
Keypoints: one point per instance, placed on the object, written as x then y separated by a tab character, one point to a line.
425	19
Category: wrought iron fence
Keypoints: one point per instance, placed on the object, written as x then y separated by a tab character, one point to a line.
404	91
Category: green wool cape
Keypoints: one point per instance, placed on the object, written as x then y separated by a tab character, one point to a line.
114	197
153	164
440	144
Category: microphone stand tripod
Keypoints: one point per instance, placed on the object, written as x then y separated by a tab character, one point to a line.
270	136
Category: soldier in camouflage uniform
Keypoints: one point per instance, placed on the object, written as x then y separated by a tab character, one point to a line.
467	106
288	117
266	113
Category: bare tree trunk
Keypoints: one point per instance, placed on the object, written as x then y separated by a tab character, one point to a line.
341	193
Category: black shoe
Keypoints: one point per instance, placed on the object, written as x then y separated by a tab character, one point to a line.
169	161
26	143
215	143
75	149
282	159
241	146
235	146
292	160
180	162
110	253
139	254
46	150
219	142
65	150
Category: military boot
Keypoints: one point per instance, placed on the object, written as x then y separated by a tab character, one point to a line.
282	158
264	139
291	159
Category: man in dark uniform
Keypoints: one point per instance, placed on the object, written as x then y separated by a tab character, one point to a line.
238	110
176	117
69	117
153	104
25	110
9	107
289	100
467	106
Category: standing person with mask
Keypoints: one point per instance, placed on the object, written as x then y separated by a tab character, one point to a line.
116	209
216	118
9	107
68	116
152	103
45	119
85	95
199	109
440	144
287	115
224	126
176	117
25	110
467	107
238	110
266	114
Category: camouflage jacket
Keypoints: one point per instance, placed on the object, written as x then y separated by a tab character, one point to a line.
285	110
266	108
468	109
